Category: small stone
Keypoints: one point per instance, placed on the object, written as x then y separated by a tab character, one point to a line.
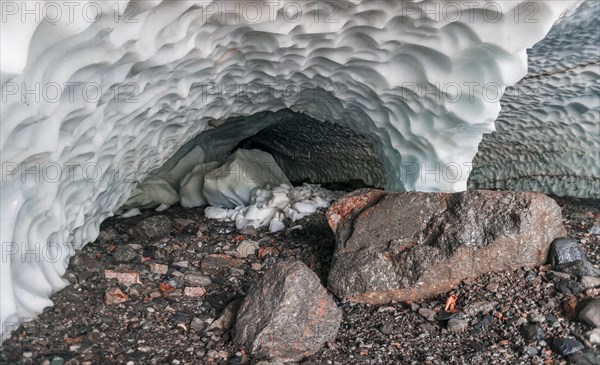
181	263
492	287
194	291
532	332
387	329
256	266
124	254
594	336
218	261
531	351
249	231
158	226
565	346
428	314
590	314
474	309
159	268
535	317
197	280
200	323
589	282
115	295
123	278
247	248
457	325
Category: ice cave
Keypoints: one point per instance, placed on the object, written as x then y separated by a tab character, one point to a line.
113	107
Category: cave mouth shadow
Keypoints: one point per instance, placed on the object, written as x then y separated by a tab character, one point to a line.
318	152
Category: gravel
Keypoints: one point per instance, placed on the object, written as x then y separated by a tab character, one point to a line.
158	324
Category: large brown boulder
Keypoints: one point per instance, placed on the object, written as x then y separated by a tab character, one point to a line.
409	246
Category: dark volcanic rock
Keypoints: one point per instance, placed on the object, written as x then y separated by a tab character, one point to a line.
567	256
287	315
565	346
408	246
158	226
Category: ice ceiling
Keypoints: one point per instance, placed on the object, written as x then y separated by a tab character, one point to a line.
98	94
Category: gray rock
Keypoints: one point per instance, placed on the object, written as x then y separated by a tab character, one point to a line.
589	282
590	357
249	231
158	226
565	346
567	256
287	315
532	332
531	351
201	322
124	254
197	280
474	309
428	314
410	246
590	314
457	325
535	317
387	329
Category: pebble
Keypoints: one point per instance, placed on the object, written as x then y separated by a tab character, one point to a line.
589	282
565	346
159	268
531	351
387	329
457	325
535	317
493	287
428	314
594	336
532	332
197	280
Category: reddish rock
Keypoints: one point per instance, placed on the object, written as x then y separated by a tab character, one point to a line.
115	295
409	246
194	291
124	278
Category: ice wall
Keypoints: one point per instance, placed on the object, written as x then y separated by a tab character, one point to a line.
97	93
547	135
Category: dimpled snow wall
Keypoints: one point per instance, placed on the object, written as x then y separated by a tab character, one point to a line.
98	94
547	136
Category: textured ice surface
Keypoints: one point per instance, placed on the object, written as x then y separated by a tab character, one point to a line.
232	184
269	207
547	136
106	100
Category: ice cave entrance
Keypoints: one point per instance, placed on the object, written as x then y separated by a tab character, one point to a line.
262	169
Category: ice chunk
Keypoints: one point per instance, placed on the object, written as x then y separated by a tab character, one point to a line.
190	189
246	170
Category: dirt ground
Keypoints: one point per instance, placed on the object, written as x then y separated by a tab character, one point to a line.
159	321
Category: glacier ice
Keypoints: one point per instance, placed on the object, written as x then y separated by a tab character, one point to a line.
91	106
547	135
231	184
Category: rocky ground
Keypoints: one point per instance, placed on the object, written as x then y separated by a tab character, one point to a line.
171	281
